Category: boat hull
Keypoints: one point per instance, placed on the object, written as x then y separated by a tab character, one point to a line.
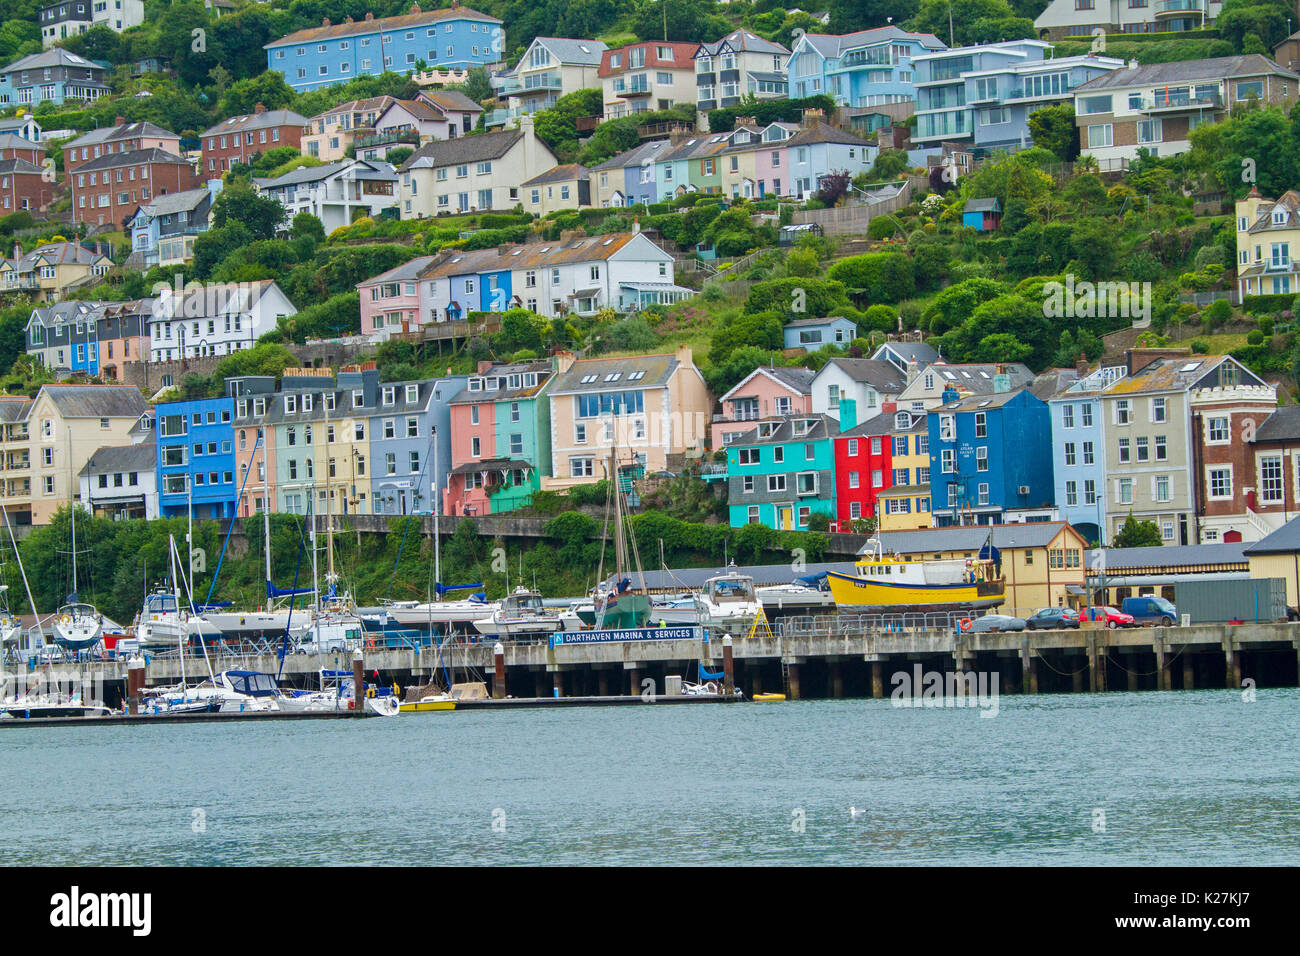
422	706
858	592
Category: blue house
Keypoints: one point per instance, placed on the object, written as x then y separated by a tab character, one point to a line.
982	214
629	178
867	68
982	95
1079	452
413	418
196	458
987	464
55	76
812	334
322	56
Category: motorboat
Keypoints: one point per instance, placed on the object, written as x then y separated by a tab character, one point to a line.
520	613
800	594
726	602
163	624
454	614
35	705
337	692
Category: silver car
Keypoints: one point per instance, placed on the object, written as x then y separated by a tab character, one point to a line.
997	622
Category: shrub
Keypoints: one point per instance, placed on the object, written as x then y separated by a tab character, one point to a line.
1199	346
1256	337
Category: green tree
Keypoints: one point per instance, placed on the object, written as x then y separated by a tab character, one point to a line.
1137	534
259	215
1053	127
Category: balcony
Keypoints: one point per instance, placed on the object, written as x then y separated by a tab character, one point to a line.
1178	102
633	90
1028	95
544	83
389	137
441	331
1177	8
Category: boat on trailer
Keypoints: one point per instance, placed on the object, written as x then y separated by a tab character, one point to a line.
893	583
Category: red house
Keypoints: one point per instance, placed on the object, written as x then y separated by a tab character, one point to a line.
863	462
23	186
15	147
108	189
241	139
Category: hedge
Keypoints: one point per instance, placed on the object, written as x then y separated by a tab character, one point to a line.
1266	303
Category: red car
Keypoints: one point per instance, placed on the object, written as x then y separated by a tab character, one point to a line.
1112	616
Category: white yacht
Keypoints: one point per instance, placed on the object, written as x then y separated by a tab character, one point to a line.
520	613
726	602
162	623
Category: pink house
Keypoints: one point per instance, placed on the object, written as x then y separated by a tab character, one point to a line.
763	394
473	439
771	161
390	301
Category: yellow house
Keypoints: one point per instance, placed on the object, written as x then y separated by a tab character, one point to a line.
1268	231
48	272
1042	561
65	426
738	164
562	187
905	504
654	409
1278	556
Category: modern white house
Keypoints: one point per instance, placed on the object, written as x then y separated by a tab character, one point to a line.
471	173
551	67
214	319
868	382
335	193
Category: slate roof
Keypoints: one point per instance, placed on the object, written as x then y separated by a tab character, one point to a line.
263	120
815	323
559	174
1184	71
51	58
451	100
59	254
1173	374
135	157
1282	425
978	379
336	30
881	375
652	150
824	133
924	353
742	41
168	203
823	427
1170	556
1032	534
658	370
141	456
885	424
462	149
366	169
582	52
976	403
504	371
95	401
833	46
1285	540
14	141
407	271
18	166
111	134
526	256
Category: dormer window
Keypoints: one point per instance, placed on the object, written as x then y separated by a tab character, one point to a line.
412	394
492	384
390	395
765	429
1279	217
903	421
476	384
291	404
358	398
306	403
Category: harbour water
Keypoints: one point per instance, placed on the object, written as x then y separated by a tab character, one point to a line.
1196	777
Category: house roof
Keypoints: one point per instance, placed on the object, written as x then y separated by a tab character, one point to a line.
886	423
1182	71
1052	381
526	255
264	120
1285	540
18	166
924	353
213	298
169	203
462	149
453	100
829	45
978	379
134	157
812	323
14	141
1288	202
95	401
1169	556
503	372
656	371
824	133
54	57
652	150
983	205
417	108
796	378
407	271
111	134
880	374
559	174
365	169
977	403
784	431
1282	425
1173	374
330	31
372	103
578	52
683	55
139	456
742	41
60	254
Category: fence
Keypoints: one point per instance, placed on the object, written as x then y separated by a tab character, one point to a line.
852	220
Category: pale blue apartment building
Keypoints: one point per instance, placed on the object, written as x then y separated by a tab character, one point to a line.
1079	452
867	68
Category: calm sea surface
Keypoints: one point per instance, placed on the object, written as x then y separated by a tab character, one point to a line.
1195	777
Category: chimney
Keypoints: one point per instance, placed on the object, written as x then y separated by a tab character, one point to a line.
678	136
369	17
1001	380
684	355
812	117
325	22
348	20
569	235
259	109
888	408
483	367
415	8
636	224
564	360
950	394
1081	366
913	370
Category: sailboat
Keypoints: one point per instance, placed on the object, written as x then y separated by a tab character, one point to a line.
615	605
78	626
181	699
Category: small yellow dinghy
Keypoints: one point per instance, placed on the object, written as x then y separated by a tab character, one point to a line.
761	698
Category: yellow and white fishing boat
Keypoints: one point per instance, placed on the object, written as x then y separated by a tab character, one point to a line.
889	582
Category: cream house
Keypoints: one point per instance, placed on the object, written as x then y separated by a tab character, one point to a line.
1267	232
551	67
564	187
651	411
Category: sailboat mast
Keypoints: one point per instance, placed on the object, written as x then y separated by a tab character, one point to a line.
73	503
437	513
176	592
329	517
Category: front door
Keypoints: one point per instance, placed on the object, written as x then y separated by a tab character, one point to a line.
783	517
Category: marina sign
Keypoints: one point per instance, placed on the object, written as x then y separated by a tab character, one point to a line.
623	635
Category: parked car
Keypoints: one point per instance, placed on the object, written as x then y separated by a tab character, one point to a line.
1111	616
1150	609
1053	618
997	622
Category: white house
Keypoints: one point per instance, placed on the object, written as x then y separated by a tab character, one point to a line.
868	382
624	271
471	173
335	193
551	67
214	318
120	481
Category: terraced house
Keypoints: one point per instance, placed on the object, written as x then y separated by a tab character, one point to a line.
500	438
456	37
868	383
765	393
782	473
649	76
653	409
628	178
410	444
740	64
1079	451
866	68
214	319
979	470
1267	231
241	139
254	444
121	137
471	173
109	190
903	503
51	271
196	458
1155	107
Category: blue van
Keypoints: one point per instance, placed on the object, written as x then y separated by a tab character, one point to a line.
1150	609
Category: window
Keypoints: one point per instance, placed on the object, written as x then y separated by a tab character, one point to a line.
981	458
1159	410
1124	491
1123	413
1220	483
1143	451
1161	487
1270	479
1085	415
775	483
1162	448
981	425
1216	432
1069	453
947	428
1071	493
1124	450
948	461
1067	416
